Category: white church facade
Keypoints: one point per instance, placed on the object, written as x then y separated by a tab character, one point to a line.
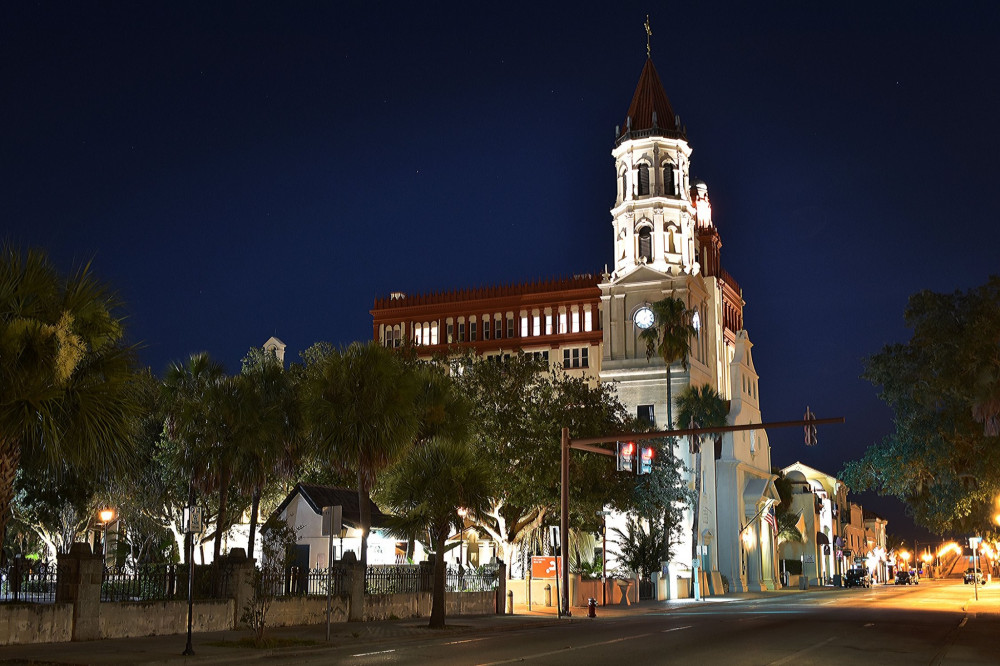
664	244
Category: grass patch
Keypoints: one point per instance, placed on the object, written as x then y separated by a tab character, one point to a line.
268	643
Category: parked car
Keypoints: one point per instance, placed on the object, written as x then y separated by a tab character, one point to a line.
857	578
904	578
973	575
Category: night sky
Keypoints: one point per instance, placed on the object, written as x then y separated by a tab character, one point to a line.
254	169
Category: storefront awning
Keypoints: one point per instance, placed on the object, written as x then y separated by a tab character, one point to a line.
822	539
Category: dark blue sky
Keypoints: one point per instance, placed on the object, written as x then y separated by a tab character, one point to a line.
253	169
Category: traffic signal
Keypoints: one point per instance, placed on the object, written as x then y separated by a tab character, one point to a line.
646	460
626	456
810	430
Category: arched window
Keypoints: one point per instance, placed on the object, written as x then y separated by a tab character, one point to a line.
624	184
643	180
669	186
645	245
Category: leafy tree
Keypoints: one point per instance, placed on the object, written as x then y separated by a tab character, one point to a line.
700	407
942	459
66	394
425	491
56	506
278	541
360	406
519	408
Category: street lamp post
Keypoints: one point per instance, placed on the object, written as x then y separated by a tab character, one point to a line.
106	515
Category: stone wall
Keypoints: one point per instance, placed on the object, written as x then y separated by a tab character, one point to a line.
289	611
163	618
35	623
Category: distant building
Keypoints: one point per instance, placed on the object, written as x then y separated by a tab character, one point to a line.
664	243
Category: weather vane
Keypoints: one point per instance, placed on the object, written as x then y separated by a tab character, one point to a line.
649	33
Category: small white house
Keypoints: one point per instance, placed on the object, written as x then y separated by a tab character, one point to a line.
302	509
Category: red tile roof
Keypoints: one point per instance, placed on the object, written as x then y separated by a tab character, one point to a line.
649	97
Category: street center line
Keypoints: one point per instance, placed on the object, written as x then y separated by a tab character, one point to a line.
568	648
368	654
688	626
802	652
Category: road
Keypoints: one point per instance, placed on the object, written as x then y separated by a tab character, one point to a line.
885	625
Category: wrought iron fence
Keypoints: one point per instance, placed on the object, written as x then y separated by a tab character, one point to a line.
396	579
294	581
472	579
147	582
24	582
646	589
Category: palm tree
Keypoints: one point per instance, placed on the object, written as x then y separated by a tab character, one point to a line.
425	491
185	387
274	446
66	376
638	547
669	338
700	407
359	405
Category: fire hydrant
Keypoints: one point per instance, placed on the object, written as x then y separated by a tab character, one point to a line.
592	607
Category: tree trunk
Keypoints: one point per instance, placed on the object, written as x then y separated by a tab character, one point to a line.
437	594
10	459
670	444
220	521
695	555
366	520
254	509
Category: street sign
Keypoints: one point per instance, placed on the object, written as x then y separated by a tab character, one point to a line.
554	535
809	559
193	520
974	542
545	566
333	518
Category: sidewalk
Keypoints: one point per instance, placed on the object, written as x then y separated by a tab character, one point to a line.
168	649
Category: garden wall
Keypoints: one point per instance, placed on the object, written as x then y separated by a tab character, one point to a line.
35	623
163	618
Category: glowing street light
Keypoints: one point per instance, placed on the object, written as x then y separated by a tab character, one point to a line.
106	516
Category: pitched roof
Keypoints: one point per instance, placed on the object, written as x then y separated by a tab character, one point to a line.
649	97
318	497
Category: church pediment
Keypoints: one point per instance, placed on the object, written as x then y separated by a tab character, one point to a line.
640	276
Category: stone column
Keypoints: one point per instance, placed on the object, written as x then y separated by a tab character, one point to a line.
80	576
356	585
239	584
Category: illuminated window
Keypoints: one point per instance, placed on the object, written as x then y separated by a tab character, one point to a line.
434	333
588	322
575	320
524	326
536	325
562	322
548	324
643	180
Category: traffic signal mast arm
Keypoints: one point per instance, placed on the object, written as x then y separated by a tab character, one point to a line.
586	443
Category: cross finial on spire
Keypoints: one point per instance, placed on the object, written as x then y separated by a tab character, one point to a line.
649	33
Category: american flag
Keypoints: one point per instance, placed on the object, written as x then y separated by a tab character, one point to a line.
771	520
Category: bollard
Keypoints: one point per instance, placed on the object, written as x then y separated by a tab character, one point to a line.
592	607
548	595
510	602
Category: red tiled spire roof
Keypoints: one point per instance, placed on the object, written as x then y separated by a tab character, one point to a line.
649	97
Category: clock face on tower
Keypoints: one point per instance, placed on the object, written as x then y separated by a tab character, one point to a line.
643	317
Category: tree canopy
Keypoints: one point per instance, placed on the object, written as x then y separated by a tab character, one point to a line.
943	386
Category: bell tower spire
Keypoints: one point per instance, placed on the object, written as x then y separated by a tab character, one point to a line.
653	215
